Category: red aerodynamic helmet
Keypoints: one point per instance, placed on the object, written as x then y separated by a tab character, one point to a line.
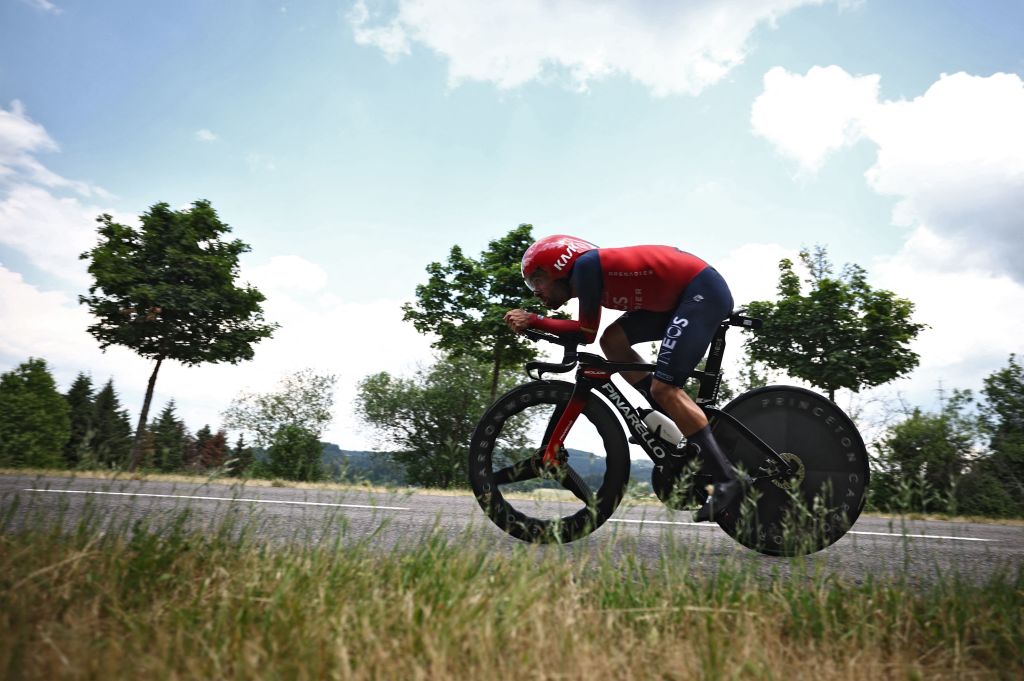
552	258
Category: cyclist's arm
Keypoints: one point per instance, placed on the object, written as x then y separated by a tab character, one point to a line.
561	327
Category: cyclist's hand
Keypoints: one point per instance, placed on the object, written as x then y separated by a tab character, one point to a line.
518	320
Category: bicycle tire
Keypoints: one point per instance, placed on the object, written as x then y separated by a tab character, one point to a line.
815	509
511	519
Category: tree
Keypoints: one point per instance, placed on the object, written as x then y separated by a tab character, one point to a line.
213	451
923	458
464	302
304	399
1002	417
241	458
169	439
429	418
167	291
82	414
841	333
34	423
112	443
294	454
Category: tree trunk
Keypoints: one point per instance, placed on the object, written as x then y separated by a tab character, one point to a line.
496	374
143	415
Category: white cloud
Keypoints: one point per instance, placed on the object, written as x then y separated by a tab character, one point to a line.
953	157
44	5
260	163
287	274
671	48
808	117
973	316
205	135
49	230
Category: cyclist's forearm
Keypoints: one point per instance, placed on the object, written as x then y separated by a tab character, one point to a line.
562	327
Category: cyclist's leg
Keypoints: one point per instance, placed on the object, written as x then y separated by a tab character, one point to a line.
686	337
618	340
703	306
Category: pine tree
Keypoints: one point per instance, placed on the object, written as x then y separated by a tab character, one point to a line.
168	440
34	423
82	412
243	457
113	440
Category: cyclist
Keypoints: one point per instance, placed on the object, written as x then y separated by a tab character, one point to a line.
668	295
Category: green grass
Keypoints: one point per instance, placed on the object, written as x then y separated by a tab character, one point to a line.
190	599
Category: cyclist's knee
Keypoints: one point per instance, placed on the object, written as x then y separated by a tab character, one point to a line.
662	391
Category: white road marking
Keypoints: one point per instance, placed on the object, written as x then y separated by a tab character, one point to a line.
921	536
404	508
255	501
658	522
877	534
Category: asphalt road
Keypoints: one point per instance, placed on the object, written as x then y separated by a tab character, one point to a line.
911	549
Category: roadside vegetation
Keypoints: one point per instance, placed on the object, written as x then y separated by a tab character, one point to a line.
831	330
105	598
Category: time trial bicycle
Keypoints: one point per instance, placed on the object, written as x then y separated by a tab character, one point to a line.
806	462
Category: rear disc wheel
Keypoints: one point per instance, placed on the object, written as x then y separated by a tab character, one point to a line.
815	506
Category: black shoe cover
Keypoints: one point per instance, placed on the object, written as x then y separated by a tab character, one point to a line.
720	499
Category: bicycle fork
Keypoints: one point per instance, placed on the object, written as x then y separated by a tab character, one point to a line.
562	420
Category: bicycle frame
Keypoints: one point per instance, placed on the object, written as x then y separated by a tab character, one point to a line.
595	373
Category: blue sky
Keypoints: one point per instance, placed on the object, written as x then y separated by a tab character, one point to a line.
351	143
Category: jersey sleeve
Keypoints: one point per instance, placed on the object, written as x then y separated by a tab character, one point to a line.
587	282
561	327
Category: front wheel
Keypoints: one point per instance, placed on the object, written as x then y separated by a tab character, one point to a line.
820	502
538	505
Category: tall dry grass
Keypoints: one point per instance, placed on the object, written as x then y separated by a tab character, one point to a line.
175	602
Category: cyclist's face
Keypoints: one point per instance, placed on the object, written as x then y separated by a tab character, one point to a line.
554	294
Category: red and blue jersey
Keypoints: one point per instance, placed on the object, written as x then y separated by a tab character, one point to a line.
632	278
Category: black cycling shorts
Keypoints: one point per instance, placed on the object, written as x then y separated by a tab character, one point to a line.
686	332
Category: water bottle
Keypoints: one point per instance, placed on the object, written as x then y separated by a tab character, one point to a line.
664	427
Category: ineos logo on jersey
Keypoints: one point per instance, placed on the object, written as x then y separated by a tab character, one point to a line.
672	335
571	248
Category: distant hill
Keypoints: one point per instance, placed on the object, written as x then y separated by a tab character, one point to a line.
377	468
360	466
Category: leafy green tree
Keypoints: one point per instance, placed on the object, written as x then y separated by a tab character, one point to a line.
167	291
112	443
983	491
428	419
923	457
295	453
169	440
34	423
464	301
304	399
1002	416
839	333
82	414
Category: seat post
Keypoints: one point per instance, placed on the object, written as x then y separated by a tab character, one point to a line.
712	374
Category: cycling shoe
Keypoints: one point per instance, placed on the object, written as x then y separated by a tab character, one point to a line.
721	498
